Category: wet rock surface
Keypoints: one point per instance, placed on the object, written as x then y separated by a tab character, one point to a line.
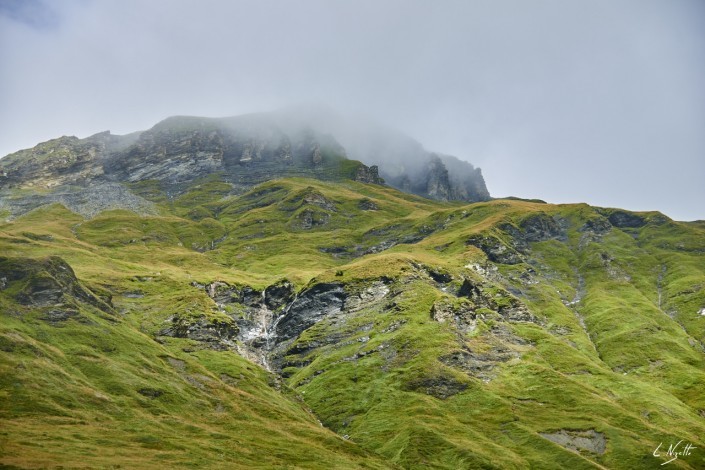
309	307
269	322
278	295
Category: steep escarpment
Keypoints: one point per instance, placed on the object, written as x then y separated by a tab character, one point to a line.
247	150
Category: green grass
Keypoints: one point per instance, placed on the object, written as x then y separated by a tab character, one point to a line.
615	343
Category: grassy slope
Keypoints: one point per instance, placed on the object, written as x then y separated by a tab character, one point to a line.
625	360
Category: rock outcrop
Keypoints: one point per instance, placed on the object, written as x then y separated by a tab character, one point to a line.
588	440
49	287
403	162
370	174
102	171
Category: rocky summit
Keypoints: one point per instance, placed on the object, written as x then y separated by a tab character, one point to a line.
238	293
107	171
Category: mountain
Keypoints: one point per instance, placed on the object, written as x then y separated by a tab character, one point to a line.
106	171
317	321
403	162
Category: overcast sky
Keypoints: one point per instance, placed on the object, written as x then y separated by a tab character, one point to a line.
598	101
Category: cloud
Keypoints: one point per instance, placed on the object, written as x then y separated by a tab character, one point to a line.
33	13
594	101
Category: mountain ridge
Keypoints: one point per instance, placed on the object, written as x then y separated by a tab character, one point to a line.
246	150
332	322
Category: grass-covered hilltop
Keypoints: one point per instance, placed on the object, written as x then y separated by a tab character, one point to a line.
162	308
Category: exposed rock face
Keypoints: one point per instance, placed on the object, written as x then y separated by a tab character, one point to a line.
368	174
444	178
597	225
440	387
480	364
589	440
308	308
437	184
88	201
495	249
467	182
265	323
622	219
310	218
247	150
58	161
461	314
279	295
535	228
403	162
87	175
478	302
440	177
540	227
509	307
46	282
217	334
48	286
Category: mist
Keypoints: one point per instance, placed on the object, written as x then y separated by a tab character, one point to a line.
586	101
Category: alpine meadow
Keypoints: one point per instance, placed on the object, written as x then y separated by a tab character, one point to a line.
258	292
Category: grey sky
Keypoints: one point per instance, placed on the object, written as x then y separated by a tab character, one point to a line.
598	101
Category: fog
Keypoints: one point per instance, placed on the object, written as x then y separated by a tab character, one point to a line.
596	101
